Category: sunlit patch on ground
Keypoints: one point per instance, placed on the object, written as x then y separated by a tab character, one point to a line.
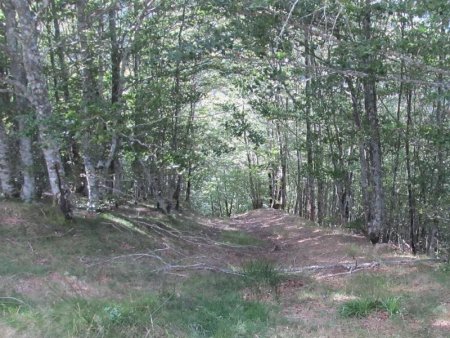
442	324
339	297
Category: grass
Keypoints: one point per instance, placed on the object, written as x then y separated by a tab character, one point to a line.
370	285
125	299
132	302
365	306
219	311
239	238
261	272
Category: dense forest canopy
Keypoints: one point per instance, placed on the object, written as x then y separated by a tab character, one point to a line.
337	110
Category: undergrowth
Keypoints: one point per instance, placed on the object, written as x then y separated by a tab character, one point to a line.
365	306
217	311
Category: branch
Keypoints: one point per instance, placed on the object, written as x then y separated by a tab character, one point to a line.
279	37
351	266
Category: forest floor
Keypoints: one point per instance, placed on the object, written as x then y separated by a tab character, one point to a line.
135	272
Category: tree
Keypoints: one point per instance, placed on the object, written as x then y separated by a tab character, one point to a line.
32	61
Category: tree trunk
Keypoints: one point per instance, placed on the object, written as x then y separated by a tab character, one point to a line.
21	105
28	190
39	97
311	206
364	177
281	198
5	169
92	183
376	225
91	152
411	202
298	203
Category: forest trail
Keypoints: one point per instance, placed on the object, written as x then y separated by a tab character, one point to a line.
295	244
193	271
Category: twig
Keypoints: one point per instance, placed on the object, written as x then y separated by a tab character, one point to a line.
350	267
198	266
136	255
31	247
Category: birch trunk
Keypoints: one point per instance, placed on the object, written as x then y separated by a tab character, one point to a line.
21	105
5	169
28	191
33	65
92	183
90	151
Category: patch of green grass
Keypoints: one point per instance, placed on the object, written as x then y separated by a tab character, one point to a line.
225	316
77	317
358	308
391	305
421	306
239	238
212	306
364	306
10	305
206	305
369	285
442	275
261	273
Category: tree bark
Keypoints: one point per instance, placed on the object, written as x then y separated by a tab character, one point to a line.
311	206
376	224
21	105
33	65
90	151
365	174
5	169
411	199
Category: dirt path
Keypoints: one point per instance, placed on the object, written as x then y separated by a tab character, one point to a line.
293	243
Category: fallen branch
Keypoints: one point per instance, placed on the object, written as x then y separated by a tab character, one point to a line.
135	255
198	266
352	268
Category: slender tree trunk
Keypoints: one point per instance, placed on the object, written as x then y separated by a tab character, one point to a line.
92	183
33	65
411	202
90	96
5	166
364	178
377	224
298	204
21	105
28	190
309	142
60	52
283	161
116	97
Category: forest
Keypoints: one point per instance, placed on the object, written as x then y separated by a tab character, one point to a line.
200	134
336	111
